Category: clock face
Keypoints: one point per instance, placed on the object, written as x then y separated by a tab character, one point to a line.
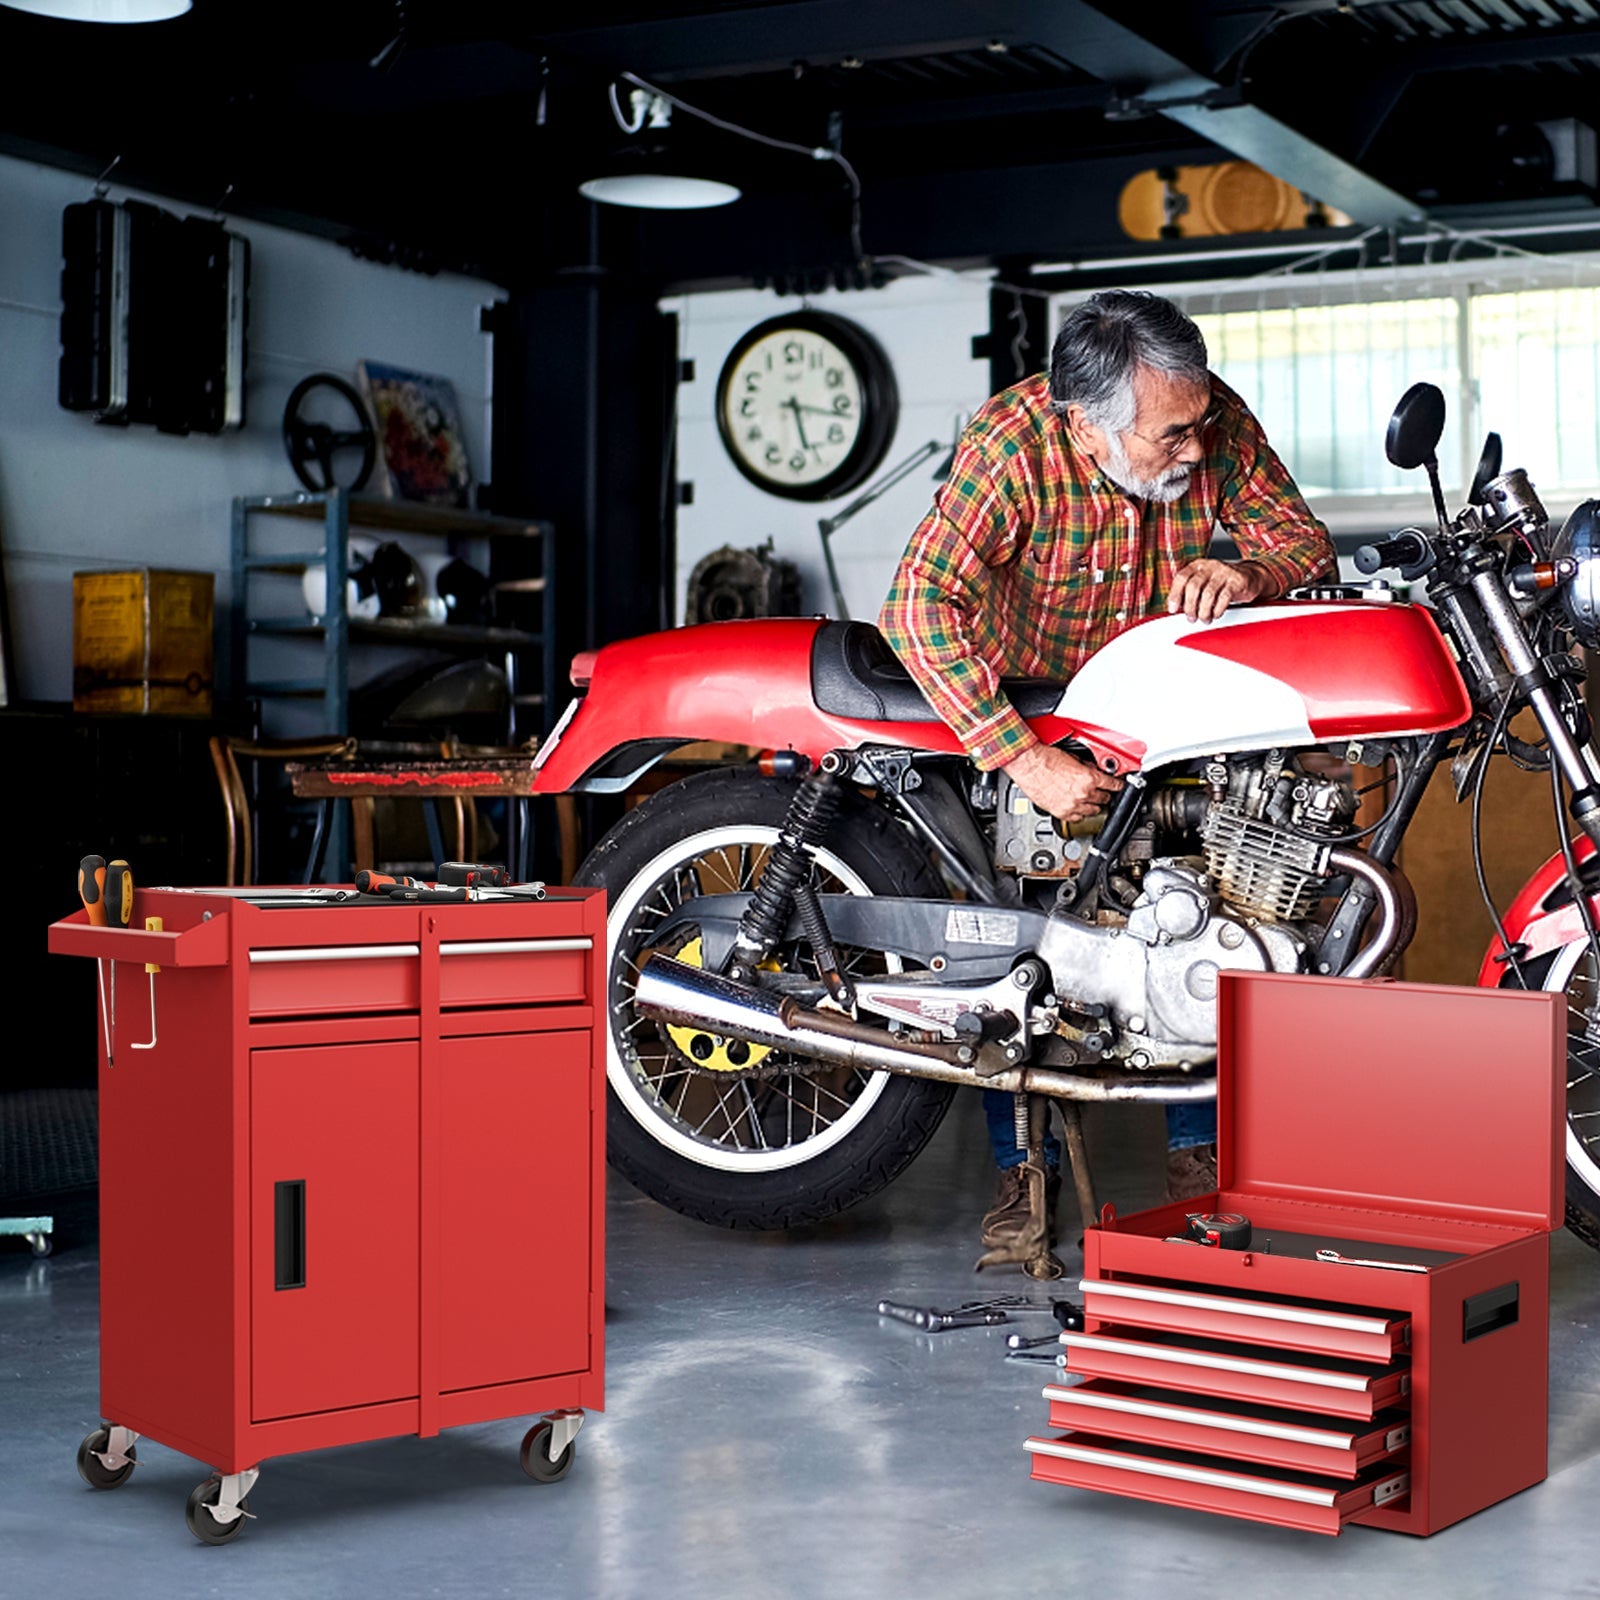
806	405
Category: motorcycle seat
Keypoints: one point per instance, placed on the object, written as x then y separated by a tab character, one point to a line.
855	674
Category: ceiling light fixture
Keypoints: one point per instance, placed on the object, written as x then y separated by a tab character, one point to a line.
647	178
102	10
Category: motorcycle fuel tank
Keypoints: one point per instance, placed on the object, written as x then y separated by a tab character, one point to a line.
1266	677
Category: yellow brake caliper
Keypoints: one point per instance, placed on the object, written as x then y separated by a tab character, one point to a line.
711	1050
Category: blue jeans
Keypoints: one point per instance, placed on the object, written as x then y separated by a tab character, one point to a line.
1187	1125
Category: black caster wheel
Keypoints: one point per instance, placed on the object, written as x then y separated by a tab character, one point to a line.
536	1460
40	1243
202	1524
94	1471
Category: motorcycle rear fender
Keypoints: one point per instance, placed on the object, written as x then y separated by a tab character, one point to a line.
740	683
977	942
1542	918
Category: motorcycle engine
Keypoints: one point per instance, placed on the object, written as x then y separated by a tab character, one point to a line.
1265	829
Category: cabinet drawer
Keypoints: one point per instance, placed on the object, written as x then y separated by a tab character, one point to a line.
500	972
1182	1478
1326	1384
1240	1429
1321	1330
335	979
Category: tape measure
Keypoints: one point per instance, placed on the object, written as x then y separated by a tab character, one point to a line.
1222	1230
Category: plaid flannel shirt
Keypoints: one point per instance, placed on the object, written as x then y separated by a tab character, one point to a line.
1031	559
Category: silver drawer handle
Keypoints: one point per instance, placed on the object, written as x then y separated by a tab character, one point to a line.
336	952
1196	1358
1166	1469
1238	1308
512	947
1203	1419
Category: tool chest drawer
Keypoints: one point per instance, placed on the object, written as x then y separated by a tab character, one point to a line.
1315	1327
1331	1385
490	972
1183	1478
330	980
1240	1429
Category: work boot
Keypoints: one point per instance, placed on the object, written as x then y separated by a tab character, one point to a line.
1007	1217
1191	1171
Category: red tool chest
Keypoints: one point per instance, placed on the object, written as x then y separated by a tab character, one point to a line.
1407	1124
351	1175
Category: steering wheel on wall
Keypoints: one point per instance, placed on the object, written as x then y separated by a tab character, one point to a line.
313	444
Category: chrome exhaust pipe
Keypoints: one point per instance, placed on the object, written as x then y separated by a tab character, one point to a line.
688	996
1397	909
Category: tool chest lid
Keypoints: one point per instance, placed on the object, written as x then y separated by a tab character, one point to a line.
1400	1097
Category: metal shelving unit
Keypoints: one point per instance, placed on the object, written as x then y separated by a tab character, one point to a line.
520	566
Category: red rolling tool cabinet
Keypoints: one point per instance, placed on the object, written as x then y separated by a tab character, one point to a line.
1411	1134
351	1175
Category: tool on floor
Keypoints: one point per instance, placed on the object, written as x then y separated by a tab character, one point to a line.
986	1313
1018	1341
1222	1230
932	1320
1359	1261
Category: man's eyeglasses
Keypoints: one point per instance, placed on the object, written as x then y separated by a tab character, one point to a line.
1172	443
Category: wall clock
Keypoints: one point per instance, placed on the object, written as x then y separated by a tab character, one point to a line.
806	405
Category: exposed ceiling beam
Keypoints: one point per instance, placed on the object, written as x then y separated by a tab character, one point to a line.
1161	82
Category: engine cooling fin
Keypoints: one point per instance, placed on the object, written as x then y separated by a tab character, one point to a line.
1260	867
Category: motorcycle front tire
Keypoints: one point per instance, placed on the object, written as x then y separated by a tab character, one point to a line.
773	1185
1571	970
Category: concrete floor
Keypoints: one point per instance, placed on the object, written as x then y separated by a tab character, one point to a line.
766	1435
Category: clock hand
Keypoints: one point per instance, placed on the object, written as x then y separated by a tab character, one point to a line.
794	406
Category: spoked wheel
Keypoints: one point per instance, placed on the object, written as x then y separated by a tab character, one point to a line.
746	1136
1572	969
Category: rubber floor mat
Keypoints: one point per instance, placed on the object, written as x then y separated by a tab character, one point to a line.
48	1141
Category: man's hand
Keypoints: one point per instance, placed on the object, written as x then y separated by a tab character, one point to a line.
1058	783
1204	589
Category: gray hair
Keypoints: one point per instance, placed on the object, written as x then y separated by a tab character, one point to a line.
1106	339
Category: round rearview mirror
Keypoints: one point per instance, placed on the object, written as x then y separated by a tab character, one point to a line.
1488	469
1416	426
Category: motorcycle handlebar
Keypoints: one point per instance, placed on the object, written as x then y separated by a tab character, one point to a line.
1406	549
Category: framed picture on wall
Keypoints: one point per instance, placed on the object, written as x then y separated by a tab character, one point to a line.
421	448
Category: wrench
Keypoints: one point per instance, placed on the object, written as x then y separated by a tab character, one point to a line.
1357	1261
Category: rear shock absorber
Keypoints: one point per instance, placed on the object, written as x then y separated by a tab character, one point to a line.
810	815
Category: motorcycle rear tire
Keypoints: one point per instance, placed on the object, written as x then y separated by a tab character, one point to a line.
1560	970
729	804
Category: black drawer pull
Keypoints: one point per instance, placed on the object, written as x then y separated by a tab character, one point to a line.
1483	1313
289	1219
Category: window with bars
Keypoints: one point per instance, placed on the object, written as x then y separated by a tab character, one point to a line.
1324	378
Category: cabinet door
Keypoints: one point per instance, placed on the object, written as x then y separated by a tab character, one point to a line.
515	1180
334	1236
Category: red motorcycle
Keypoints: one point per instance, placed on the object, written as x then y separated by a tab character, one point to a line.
808	955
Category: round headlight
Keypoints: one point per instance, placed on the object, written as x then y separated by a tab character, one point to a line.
1579	540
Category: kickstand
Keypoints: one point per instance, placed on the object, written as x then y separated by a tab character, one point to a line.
1031	1247
1078	1155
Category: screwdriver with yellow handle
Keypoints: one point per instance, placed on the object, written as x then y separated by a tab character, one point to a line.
119	894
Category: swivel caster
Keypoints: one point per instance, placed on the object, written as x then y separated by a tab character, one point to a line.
103	1465
548	1447
217	1508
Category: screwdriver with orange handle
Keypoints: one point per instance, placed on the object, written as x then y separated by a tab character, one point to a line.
92	888
369	882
